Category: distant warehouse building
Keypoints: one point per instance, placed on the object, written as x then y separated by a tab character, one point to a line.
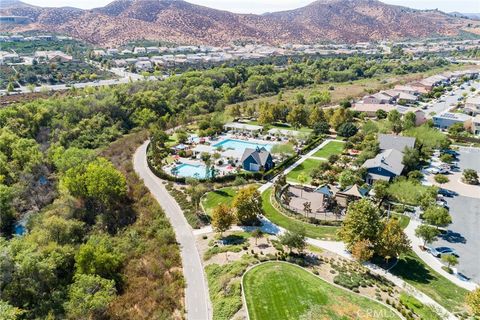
447	119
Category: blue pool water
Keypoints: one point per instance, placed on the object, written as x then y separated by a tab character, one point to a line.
19	230
191	171
240	145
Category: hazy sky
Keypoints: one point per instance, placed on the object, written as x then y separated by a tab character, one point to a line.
261	6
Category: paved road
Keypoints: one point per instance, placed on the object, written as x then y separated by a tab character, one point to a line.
449	101
196	293
463	235
430	260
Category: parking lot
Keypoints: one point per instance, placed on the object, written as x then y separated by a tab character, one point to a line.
464	235
469	158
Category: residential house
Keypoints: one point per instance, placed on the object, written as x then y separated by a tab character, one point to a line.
399	143
407	89
143	65
112	52
473	105
52	56
99	53
138	50
420	117
257	159
447	119
406	97
385	166
371	109
379	98
476	125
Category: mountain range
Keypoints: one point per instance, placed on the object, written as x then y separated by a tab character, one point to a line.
182	22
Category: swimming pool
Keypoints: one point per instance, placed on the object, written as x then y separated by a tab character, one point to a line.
190	171
240	145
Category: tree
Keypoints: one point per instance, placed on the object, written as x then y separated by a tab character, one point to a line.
427	233
10	87
456	129
441	178
9	312
447	158
98	182
450	260
257	234
411	159
409	120
7	213
222	218
347	130
89	297
302	179
307	207
247	205
348	178
297	117
393	241
182	136
470	176
437	216
395	119
362	222
381	114
321	127
99	256
317	115
473	301
380	188
362	250
294	239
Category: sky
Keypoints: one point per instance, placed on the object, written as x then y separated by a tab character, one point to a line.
262	6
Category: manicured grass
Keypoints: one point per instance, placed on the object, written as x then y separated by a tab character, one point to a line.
425	312
414	271
333	147
407	192
217	197
284	291
306	167
402	219
311	230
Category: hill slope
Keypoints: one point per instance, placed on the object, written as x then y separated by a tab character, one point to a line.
182	22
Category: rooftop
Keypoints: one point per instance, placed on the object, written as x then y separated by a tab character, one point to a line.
399	143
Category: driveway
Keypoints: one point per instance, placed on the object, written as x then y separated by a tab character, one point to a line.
463	234
197	299
469	158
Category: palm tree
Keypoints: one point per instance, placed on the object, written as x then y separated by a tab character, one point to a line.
302	179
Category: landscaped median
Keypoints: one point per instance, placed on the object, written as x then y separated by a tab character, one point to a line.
277	290
281	220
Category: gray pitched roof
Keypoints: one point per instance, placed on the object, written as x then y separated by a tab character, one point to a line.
259	155
391	141
390	160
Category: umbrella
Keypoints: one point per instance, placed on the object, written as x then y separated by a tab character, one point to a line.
229	167
176	157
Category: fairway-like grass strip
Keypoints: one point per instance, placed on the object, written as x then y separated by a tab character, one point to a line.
311	230
414	271
333	147
276	290
306	167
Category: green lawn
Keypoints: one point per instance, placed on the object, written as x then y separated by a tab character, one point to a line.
306	167
333	147
284	291
311	230
424	311
407	192
216	197
414	271
402	219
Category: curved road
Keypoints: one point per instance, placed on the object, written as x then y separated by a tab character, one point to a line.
197	299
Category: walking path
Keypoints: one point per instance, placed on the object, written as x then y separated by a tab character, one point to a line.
430	260
197	298
296	164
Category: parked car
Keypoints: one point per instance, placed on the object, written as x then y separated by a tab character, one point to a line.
442	204
447	193
437	252
462	277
